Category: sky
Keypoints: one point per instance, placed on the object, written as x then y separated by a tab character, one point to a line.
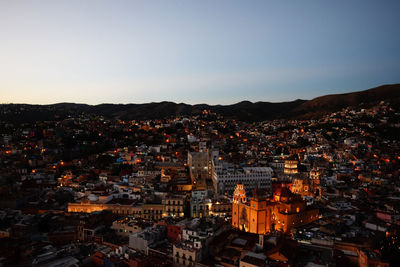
215	52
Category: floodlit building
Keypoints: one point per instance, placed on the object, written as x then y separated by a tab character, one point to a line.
282	212
291	167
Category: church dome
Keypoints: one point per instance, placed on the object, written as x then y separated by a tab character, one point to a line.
283	194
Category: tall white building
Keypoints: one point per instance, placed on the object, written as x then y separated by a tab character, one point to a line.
225	178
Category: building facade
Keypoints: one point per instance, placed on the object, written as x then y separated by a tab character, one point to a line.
282	212
174	206
198	167
225	179
86	206
308	186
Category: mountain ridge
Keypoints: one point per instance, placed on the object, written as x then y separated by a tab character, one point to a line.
244	110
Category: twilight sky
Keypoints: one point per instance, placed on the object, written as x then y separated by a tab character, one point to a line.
216	52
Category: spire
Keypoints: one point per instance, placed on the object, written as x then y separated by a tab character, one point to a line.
239	194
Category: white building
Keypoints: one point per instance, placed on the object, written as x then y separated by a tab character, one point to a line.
146	238
225	178
185	254
191	249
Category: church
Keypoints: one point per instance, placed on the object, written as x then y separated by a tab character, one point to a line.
281	212
308	186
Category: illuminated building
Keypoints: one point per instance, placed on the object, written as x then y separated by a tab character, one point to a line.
222	208
308	186
290	167
117	206
282	212
66	179
174	206
123	206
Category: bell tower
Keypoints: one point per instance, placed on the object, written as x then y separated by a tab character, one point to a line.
258	213
315	175
239	201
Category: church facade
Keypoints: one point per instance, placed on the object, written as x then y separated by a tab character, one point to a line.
310	186
260	215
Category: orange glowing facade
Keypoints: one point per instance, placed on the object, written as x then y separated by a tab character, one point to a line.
308	186
282	212
290	167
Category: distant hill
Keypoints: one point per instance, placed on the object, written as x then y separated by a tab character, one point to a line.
331	103
245	110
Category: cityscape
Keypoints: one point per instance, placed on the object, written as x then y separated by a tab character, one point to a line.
199	133
202	190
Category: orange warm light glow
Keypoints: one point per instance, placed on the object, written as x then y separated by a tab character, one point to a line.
261	215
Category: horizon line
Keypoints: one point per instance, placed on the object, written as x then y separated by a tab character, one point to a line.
195	104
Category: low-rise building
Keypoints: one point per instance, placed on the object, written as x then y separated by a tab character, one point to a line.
148	237
174	206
